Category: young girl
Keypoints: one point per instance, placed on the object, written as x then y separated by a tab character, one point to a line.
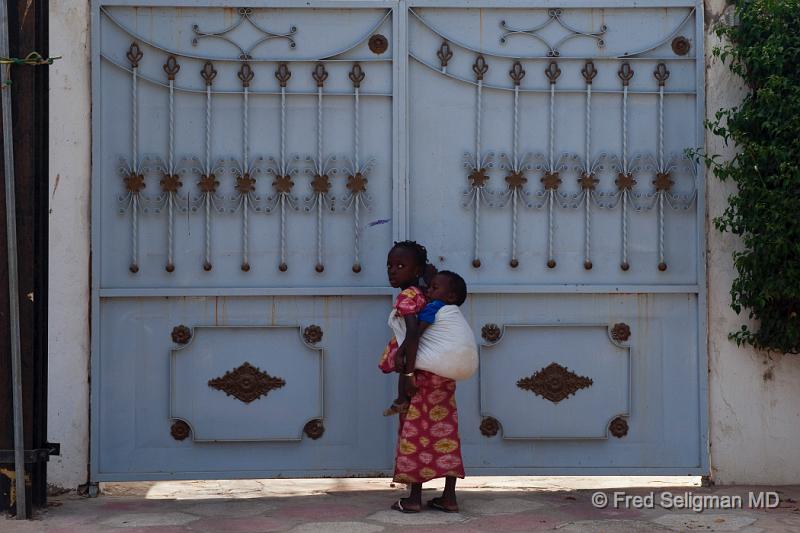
428	445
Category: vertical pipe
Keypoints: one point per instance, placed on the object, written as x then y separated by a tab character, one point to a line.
13	280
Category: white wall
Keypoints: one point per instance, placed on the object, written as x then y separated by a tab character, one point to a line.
754	398
70	167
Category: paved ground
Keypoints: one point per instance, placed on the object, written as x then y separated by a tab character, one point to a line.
361	506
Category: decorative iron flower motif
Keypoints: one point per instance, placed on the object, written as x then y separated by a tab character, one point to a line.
181	334
661	74
662	182
552	72
516	180
314	428
245	184
246	383
179	430
587	181
134	54
491	332
357	75
246	74
444	54
312	334
283	184
208	183
283	74
208	73
489	426
171	183
478	177
321	184
551	180
625	73
320	74
618	427
589	72
356	183
625	182
554	383
516	73
134	183
621	332
480	67
171	67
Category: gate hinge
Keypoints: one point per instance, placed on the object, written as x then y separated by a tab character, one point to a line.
39	455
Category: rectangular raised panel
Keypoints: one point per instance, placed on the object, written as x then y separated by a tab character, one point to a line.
246	383
576	398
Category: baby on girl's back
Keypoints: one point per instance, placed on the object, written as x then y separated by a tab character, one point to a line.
442	347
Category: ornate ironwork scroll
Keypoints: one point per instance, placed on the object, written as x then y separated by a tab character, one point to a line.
554	383
357	171
588	181
207	174
245	15
246	383
322	169
132	172
478	164
554	16
282	171
515	165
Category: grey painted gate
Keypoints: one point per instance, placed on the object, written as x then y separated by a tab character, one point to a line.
252	167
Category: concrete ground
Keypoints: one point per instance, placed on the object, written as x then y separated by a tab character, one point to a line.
491	504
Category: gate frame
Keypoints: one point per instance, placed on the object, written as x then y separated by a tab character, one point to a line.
400	193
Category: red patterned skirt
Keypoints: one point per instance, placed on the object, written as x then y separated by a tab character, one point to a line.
428	445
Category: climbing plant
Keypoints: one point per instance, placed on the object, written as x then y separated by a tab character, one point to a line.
762	46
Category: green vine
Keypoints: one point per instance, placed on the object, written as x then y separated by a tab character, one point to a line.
764	50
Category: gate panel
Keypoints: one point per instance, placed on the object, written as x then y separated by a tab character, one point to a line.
560	188
252	166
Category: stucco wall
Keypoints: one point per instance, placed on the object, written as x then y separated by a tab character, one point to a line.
754	402
754	420
70	136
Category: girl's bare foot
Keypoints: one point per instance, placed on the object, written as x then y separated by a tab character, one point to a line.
406	505
397	407
440	503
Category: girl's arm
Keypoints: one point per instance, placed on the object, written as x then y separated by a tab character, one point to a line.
411	342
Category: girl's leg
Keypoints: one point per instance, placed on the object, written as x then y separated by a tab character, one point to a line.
414	499
400	404
447	501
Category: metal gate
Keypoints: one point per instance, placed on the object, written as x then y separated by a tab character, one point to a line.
252	166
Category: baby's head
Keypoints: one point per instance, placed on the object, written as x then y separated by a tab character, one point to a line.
448	287
406	263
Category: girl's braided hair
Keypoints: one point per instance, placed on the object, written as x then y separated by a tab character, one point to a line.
419	251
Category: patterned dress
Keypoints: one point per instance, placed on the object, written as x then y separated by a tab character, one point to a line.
409	302
428	445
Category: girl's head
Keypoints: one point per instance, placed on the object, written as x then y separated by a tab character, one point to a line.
406	263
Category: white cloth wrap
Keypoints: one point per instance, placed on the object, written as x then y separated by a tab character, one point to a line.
447	348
